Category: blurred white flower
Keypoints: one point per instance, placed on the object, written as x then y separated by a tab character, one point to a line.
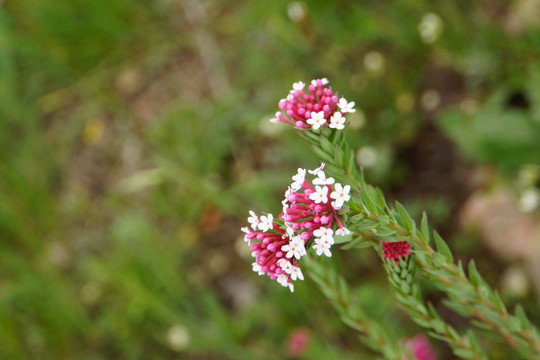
298	86
430	100
271	126
357	120
514	281
529	200
366	156
296	11
430	28
374	62
178	337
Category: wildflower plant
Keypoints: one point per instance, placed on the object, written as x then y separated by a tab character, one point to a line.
333	205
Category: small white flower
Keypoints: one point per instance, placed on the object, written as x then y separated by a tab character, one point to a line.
367	156
294	248
374	62
320	195
276	119
340	195
291	287
322	247
321	179
316	171
246	230
324	234
324	81
298	179
289	230
257	268
529	200
296	273
285	265
266	223
346	107
342	231
253	219
283	279
298	86
430	28
285	201
337	121
317	120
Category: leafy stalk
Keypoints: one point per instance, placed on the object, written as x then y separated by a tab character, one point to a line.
402	278
336	290
468	295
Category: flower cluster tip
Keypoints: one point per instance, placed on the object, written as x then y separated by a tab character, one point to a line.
317	107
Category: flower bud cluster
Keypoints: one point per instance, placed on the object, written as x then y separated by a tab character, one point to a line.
396	250
317	107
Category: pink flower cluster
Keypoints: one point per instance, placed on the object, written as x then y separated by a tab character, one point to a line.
309	218
318	107
396	250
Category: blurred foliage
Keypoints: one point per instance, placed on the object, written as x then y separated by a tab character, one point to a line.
134	136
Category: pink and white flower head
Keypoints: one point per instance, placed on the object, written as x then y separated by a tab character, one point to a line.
276	249
310	213
317	107
309	219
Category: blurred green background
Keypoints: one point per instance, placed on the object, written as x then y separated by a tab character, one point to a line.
134	139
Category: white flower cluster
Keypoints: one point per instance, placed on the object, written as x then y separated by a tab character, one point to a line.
325	193
337	120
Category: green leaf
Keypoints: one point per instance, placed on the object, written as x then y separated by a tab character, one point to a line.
352	323
309	135
326	145
343	290
404	216
378	198
474	275
386	231
520	314
368	203
340	239
424	228
357	243
322	155
442	247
